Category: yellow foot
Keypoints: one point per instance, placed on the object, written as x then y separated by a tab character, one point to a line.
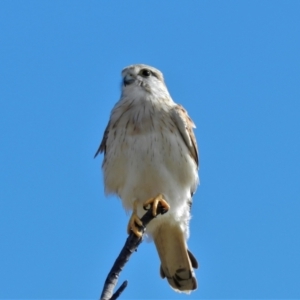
155	201
132	225
134	222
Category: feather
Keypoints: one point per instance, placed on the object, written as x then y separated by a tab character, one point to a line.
185	126
102	147
177	262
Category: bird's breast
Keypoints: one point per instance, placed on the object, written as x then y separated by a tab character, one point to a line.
145	158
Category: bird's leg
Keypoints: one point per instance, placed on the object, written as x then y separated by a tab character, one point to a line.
134	221
154	202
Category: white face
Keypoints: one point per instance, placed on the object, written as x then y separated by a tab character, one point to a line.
142	78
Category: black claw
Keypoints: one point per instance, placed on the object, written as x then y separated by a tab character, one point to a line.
163	211
141	228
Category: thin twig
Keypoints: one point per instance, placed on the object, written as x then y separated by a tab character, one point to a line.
130	246
119	290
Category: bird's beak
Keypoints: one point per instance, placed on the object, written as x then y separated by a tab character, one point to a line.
128	79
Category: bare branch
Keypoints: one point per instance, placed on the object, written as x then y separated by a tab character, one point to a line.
130	246
119	290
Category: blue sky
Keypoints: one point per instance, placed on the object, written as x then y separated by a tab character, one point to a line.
234	65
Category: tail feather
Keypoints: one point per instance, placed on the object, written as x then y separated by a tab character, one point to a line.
193	259
177	262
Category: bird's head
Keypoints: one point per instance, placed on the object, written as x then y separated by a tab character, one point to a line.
143	79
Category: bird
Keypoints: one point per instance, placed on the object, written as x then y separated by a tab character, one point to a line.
151	158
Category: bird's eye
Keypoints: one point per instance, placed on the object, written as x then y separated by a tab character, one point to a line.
145	73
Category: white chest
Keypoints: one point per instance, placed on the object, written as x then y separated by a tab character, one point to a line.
146	155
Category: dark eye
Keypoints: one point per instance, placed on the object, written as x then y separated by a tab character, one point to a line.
145	73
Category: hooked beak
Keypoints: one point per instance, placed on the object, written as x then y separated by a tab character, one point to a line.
128	79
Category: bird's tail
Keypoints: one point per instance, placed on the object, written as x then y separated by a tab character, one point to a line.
177	262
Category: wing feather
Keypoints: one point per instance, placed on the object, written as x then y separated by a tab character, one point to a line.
117	113
185	126
102	147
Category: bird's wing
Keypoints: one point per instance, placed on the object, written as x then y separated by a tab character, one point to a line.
185	126
116	115
102	147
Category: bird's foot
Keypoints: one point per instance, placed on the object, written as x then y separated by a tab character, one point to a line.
135	222
155	202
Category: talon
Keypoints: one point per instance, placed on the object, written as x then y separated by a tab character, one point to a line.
155	201
135	222
146	207
132	225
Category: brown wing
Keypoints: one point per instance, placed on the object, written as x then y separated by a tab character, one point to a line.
102	147
185	126
118	111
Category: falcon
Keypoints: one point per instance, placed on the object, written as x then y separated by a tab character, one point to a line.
151	158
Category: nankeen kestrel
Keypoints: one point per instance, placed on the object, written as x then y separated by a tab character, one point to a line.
151	157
